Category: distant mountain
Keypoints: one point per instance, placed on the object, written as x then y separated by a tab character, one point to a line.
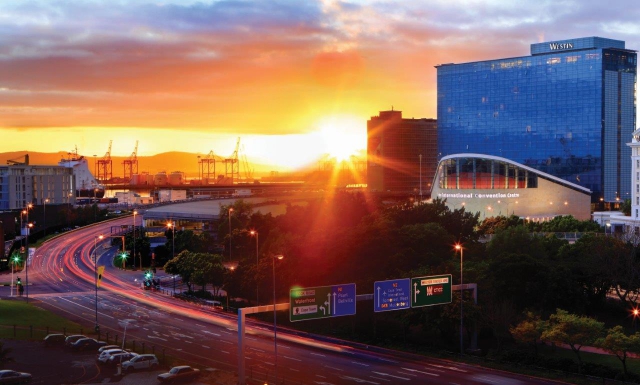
168	161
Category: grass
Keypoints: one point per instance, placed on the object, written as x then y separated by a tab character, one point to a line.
31	321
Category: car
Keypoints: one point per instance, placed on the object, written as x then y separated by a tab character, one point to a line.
54	340
73	338
87	344
119	358
179	373
105	354
107	347
142	361
13	377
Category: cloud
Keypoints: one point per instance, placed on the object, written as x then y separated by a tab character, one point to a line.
261	66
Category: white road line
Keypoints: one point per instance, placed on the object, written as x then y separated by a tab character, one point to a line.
359	380
206	347
359	363
318	354
257	350
291	358
391	375
226	342
225	352
295	370
378	378
331	367
421	372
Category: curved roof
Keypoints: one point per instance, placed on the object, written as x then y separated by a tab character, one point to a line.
530	169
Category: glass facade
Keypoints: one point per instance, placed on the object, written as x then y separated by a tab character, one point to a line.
567	110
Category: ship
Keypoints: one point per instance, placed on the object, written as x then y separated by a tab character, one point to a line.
86	184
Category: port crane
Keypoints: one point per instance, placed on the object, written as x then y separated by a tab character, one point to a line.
232	166
105	166
130	165
20	161
207	173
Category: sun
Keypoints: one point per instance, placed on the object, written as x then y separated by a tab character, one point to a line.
342	136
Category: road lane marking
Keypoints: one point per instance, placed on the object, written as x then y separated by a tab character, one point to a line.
212	333
382	379
318	354
359	380
391	375
224	351
331	367
421	372
449	367
359	363
291	358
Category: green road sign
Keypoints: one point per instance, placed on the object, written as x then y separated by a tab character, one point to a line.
322	302
429	291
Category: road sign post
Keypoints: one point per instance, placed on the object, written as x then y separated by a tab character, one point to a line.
322	302
429	291
392	295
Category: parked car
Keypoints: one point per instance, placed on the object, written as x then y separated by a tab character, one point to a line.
179	373
105	354
54	340
87	344
73	338
13	377
107	347
143	361
119	358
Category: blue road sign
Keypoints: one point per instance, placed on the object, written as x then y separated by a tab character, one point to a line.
344	299
392	295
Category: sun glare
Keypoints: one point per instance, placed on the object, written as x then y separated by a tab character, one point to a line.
342	136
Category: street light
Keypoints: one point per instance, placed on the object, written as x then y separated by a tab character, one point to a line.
420	156
44	202
635	312
95	274
460	248
227	291
172	226
254	232
15	259
230	211
275	328
608	227
26	260
134	241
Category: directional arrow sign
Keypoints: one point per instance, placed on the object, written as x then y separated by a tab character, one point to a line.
429	291
392	295
322	302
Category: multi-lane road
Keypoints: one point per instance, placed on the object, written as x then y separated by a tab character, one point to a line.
61	277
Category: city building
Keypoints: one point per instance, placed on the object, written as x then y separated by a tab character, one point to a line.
401	153
22	184
565	110
616	222
494	186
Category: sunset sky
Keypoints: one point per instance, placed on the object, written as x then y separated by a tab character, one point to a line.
294	79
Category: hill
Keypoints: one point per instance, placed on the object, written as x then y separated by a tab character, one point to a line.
167	161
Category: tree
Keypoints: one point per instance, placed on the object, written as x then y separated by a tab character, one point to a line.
620	344
573	330
529	330
625	207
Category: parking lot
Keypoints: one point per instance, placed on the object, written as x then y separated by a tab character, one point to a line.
58	366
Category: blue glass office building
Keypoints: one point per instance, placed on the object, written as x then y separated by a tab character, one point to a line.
567	110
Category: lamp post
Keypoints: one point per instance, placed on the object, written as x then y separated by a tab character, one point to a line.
15	259
172	226
230	211
227	291
134	241
95	206
420	157
635	312
607	228
275	328
26	260
44	216
460	248
254	232
95	274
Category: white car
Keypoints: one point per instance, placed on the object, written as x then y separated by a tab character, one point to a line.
104	355
143	361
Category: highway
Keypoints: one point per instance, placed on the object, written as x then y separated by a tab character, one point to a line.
61	277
